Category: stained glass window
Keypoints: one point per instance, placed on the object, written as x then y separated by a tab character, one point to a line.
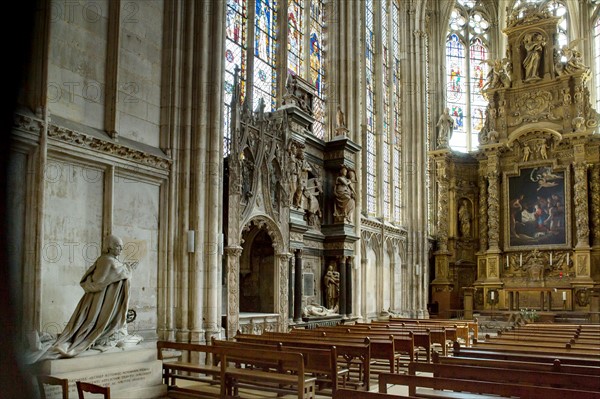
387	200
371	164
396	122
296	37
466	51
265	78
235	55
316	66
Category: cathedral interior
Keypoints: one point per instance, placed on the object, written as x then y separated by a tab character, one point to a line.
265	161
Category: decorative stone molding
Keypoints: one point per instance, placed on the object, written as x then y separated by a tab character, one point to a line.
580	199
78	139
27	123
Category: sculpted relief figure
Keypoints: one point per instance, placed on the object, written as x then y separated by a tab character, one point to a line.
311	202
332	285
341	120
446	125
100	318
534	44
344	196
498	75
464	217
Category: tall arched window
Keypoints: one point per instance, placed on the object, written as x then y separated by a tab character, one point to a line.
382	80
466	51
252	28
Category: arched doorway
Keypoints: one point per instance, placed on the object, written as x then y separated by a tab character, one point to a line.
257	272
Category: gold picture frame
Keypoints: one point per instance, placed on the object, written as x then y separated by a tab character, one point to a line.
538	208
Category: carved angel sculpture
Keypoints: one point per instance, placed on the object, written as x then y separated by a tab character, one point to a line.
573	57
498	75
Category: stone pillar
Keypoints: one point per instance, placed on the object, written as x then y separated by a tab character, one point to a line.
443	202
483	214
595	204
468	302
348	265
291	290
595	304
283	288
580	198
232	260
493	205
298	287
343	286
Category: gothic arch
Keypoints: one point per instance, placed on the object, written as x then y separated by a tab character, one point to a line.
264	221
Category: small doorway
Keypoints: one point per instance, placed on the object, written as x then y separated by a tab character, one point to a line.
257	272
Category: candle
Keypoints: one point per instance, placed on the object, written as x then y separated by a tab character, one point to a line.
520	260
507	261
564	295
568	258
550	258
492	294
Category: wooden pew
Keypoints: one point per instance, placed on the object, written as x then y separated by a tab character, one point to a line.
321	363
472	325
496	374
547	366
351	394
260	369
233	377
174	367
381	348
465	388
348	350
520	355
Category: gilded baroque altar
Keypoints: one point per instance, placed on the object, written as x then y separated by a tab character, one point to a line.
519	219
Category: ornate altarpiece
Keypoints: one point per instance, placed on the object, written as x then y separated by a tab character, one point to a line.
532	189
280	191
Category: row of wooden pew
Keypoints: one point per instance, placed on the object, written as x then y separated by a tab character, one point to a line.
332	358
532	361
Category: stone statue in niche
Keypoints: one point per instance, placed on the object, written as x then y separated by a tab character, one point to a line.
341	120
446	125
344	196
100	319
534	44
544	150
247	167
464	218
311	201
526	152
331	281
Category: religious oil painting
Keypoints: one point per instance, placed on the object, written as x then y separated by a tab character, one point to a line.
536	209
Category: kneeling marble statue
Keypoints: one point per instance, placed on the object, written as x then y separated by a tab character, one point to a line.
100	318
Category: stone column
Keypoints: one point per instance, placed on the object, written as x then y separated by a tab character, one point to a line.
285	276
298	287
232	260
343	285
348	266
483	214
290	290
443	203
493	207
581	205
595	304
595	204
